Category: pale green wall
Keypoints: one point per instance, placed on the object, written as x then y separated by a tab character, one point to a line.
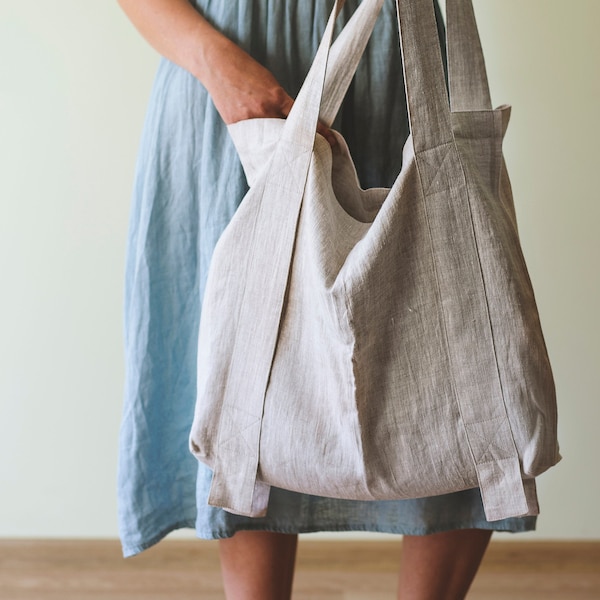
74	79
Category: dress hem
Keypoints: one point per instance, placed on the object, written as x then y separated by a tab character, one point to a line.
521	526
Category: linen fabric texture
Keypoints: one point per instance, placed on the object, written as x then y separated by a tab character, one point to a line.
188	184
383	343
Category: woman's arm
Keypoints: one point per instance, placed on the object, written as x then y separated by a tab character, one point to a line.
240	87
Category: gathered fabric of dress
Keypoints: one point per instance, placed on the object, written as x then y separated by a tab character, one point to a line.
188	184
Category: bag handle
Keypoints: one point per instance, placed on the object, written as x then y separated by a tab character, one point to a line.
427	96
344	57
234	484
467	75
423	69
424	80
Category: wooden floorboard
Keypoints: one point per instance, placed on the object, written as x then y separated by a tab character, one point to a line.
327	570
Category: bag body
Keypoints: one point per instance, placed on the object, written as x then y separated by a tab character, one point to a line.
381	343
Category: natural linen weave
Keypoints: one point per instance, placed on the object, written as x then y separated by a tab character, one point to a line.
377	344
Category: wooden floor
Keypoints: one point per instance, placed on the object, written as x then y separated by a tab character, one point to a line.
327	570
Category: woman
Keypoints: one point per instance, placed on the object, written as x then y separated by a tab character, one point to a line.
229	60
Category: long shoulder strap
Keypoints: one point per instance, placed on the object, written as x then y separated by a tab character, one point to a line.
345	55
447	198
278	199
426	93
469	88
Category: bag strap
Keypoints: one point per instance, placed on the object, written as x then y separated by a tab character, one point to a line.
344	57
485	421
424	80
235	470
467	75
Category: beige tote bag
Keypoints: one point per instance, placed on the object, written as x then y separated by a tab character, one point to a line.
381	343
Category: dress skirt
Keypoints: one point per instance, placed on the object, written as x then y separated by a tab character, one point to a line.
188	184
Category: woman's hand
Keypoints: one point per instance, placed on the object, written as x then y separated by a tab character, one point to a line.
240	87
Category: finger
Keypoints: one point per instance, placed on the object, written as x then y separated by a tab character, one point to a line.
286	106
327	134
322	129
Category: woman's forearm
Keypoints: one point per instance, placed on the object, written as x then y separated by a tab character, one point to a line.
240	87
177	31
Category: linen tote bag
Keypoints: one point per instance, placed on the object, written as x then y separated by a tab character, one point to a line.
380	343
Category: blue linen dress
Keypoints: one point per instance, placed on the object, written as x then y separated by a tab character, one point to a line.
188	184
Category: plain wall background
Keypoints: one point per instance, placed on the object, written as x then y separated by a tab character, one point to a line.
74	81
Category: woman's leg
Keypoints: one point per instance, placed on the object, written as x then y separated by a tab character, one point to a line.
440	566
258	565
